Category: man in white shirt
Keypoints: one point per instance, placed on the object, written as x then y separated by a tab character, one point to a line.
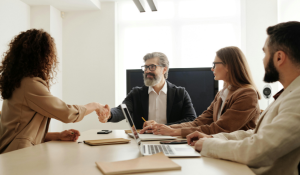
274	146
159	101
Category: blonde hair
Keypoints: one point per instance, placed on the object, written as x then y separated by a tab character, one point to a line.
239	74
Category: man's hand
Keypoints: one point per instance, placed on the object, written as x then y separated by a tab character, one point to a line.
195	136
103	113
147	129
69	135
199	144
149	123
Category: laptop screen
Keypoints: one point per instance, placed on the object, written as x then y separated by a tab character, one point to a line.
129	119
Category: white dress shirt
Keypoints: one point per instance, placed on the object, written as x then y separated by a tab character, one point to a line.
223	95
158	105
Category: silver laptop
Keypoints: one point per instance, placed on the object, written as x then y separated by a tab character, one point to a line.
182	150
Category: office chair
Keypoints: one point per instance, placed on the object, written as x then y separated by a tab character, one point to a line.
299	168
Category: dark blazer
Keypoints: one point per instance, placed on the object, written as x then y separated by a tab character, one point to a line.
179	106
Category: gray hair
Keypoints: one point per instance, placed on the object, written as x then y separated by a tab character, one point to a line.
162	60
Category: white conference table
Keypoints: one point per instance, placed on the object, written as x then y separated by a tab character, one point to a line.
63	158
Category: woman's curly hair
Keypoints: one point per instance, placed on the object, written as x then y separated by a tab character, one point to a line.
30	54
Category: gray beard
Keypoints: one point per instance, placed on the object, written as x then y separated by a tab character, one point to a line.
152	82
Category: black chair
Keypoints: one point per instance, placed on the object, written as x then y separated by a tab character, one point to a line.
299	168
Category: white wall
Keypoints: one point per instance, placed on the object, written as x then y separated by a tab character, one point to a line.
288	10
258	15
14	18
56	33
40	17
89	62
48	18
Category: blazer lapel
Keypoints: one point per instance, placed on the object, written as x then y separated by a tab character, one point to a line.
145	102
289	89
261	117
170	99
218	106
220	102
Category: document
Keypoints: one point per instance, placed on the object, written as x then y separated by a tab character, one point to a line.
106	141
156	162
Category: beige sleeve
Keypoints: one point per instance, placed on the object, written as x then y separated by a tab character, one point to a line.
39	99
236	135
272	141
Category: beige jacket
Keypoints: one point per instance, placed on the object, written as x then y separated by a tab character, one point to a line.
240	112
274	146
26	115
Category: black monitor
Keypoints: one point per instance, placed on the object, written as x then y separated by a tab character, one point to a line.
198	82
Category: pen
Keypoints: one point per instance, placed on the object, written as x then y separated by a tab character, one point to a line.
143	119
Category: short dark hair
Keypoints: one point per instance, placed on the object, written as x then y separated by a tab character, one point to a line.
285	37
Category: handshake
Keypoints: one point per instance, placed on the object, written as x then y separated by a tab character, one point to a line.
103	112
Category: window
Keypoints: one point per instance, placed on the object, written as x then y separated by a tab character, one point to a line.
189	32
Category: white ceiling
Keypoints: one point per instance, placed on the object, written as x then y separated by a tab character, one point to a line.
67	5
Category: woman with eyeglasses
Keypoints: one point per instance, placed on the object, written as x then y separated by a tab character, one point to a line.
235	107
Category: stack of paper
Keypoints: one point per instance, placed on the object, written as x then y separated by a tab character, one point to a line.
106	141
156	162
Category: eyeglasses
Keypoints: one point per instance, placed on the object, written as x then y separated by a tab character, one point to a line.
214	64
151	67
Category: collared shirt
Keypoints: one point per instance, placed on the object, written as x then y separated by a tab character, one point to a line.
223	95
278	94
158	105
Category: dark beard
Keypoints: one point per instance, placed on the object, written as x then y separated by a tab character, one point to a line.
271	74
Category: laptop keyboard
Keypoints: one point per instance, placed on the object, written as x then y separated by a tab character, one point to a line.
153	149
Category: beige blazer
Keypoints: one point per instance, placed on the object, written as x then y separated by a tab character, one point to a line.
240	112
26	115
274	146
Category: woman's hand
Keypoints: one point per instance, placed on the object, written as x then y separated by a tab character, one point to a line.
103	113
195	136
69	135
161	129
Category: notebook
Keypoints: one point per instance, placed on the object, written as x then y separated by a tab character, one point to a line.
106	141
156	162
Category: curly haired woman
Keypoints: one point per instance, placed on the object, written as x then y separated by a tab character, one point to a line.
27	71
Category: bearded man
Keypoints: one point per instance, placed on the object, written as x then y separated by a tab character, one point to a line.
273	147
158	101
